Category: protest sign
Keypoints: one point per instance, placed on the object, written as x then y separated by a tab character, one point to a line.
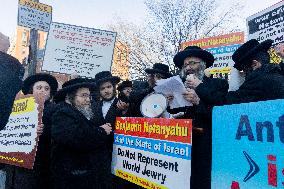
267	24
222	47
153	152
85	51
248	141
34	15
18	139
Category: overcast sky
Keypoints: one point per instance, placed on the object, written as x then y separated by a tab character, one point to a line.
98	13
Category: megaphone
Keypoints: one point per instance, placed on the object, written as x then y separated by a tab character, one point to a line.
153	105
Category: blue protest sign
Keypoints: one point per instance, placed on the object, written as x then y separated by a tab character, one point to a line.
248	141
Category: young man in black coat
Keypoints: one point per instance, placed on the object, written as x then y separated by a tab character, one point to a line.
263	81
109	106
79	157
106	110
193	61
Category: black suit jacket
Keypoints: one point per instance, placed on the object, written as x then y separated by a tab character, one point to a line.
98	118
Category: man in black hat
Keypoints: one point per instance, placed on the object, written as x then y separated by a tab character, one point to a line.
41	86
263	81
109	106
193	61
124	89
80	155
159	71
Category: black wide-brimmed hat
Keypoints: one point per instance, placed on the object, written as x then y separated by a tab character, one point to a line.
193	51
31	80
124	84
73	85
11	75
159	68
105	76
247	50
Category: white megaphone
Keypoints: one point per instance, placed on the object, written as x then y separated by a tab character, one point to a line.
154	105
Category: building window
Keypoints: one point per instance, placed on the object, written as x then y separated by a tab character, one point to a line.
25	38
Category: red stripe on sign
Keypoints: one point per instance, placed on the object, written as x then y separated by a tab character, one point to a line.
176	130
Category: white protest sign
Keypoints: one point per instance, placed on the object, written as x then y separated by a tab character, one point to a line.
153	152
267	24
18	139
85	51
34	15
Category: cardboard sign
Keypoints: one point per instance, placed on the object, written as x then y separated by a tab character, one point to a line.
222	48
248	143
34	15
267	24
153	152
71	49
18	139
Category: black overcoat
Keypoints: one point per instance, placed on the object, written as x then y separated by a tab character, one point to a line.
201	116
265	83
79	157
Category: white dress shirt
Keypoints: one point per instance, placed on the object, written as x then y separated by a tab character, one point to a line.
106	106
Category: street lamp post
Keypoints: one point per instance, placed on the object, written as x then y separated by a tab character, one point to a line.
33	50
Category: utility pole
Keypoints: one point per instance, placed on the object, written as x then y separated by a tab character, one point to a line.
33	50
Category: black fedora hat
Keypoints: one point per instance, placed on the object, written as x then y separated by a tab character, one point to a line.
105	76
72	85
193	51
159	68
11	75
247	50
31	80
124	84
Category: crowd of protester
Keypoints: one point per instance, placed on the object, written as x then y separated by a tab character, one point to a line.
76	137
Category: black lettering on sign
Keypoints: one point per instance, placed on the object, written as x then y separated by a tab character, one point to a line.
269	19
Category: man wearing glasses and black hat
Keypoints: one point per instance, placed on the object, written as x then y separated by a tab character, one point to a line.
79	157
193	61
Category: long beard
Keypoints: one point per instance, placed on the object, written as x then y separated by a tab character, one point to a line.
86	111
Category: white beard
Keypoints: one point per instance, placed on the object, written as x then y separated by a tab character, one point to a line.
86	111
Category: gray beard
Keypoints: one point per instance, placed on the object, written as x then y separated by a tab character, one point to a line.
200	75
86	111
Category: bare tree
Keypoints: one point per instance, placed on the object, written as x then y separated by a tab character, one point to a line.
142	52
170	23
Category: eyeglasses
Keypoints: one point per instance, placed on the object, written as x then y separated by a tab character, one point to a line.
190	63
85	96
